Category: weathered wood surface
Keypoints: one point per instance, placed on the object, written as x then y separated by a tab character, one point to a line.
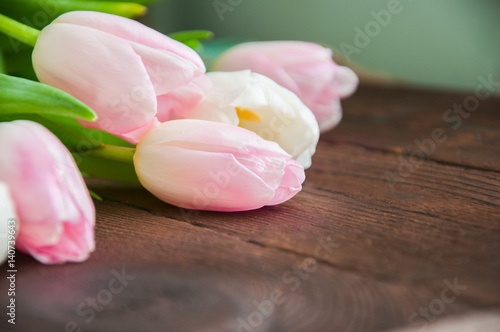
368	245
392	121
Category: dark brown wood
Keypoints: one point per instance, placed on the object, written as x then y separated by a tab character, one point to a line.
368	245
393	119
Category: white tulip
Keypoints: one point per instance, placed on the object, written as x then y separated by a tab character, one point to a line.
255	102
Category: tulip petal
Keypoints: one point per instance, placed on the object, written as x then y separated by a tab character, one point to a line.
166	70
132	31
284	118
50	195
291	183
206	165
180	103
259	63
72	246
345	81
122	96
306	69
329	115
199	180
136	135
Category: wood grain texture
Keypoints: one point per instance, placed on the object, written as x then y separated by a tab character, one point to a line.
392	120
356	250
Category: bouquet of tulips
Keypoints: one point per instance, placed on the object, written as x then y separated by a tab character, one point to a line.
114	98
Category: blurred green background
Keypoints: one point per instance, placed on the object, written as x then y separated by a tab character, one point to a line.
445	44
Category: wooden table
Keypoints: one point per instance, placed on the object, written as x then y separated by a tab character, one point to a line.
386	233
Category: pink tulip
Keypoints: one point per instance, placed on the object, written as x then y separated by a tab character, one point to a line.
257	103
307	69
56	213
129	74
197	164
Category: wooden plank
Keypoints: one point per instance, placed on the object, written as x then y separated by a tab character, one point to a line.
443	222
394	119
182	277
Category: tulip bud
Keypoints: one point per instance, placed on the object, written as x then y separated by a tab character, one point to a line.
126	72
56	213
306	69
255	102
205	165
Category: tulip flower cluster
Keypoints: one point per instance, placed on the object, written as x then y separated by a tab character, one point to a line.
234	139
304	68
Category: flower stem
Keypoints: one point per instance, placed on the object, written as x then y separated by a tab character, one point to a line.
108	161
126	9
106	168
19	31
115	153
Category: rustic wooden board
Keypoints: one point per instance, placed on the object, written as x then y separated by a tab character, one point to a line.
393	119
405	236
356	250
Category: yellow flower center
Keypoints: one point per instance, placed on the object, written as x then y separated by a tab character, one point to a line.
247	114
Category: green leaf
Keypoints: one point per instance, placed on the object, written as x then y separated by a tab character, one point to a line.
74	140
76	137
94	135
190	35
142	2
192	38
194	44
106	168
2	63
94	195
19	95
39	13
125	9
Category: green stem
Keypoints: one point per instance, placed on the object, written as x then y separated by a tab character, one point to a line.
105	168
19	31
110	162
115	153
125	9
